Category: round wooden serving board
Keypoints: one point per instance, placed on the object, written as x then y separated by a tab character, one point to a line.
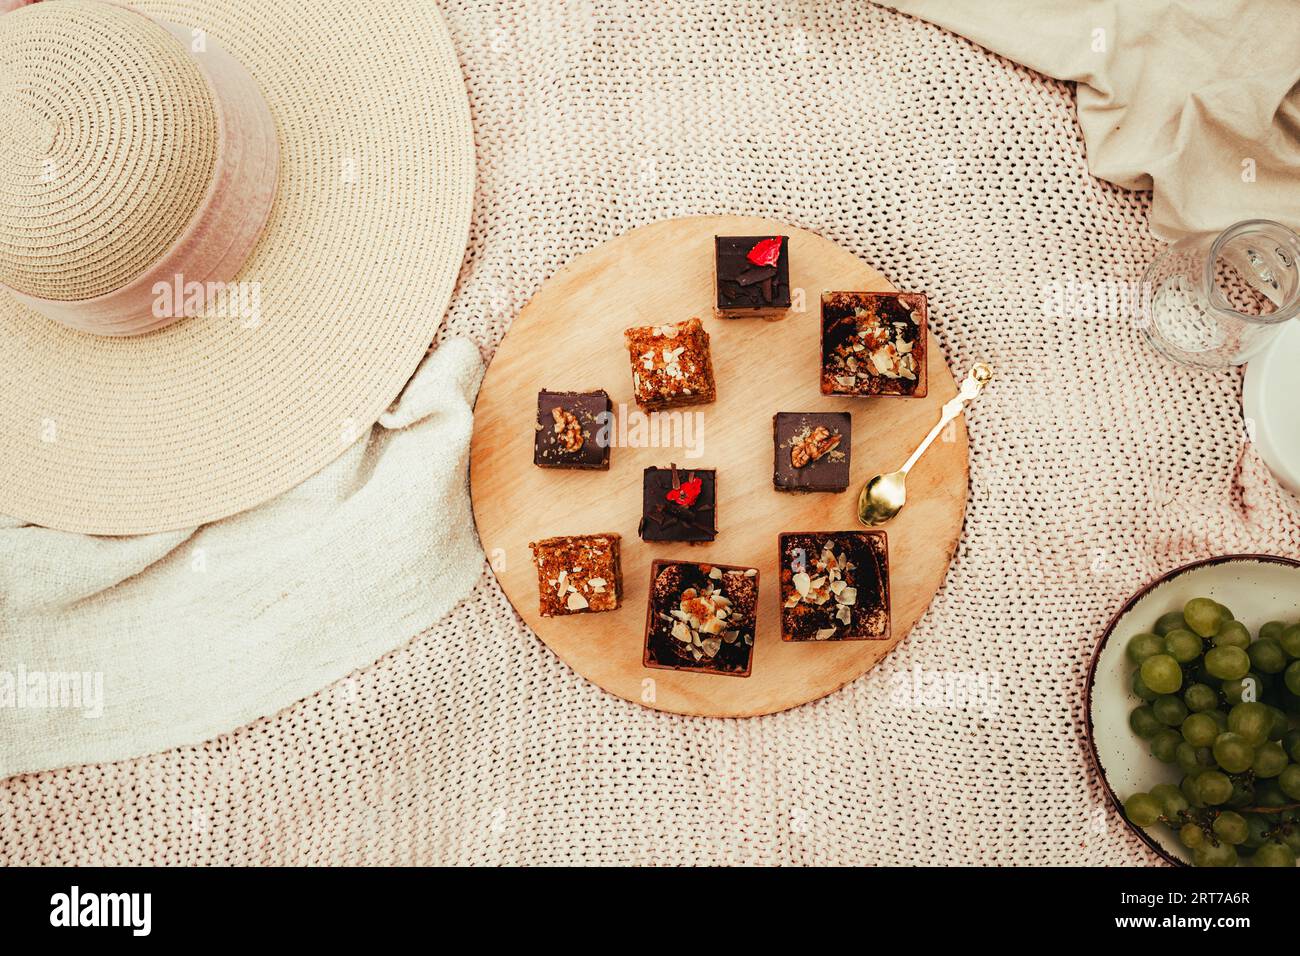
570	338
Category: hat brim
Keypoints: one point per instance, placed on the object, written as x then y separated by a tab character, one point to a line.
353	273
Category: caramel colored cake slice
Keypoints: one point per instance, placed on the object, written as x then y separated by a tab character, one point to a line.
671	365
578	574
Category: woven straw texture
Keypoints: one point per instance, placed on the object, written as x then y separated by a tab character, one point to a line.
342	295
96	185
1093	468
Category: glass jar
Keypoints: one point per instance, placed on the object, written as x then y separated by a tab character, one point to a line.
1216	300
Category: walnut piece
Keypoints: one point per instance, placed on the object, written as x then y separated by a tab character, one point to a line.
814	445
567	429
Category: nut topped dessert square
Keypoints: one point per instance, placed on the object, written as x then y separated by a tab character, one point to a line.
701	617
573	430
679	505
671	365
874	343
812	450
578	574
752	275
834	586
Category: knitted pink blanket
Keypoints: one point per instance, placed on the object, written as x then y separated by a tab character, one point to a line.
1094	466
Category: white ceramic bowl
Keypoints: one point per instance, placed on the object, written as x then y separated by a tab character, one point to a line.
1258	589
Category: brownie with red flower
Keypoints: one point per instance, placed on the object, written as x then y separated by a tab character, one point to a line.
679	505
752	276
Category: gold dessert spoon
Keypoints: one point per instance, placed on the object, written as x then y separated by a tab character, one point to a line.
884	495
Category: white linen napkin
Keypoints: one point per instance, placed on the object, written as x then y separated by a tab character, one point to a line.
167	639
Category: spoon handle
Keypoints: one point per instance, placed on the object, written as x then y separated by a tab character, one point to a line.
979	377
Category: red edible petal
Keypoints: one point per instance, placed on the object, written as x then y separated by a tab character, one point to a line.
687	493
765	253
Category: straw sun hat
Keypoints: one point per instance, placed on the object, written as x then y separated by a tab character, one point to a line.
229	230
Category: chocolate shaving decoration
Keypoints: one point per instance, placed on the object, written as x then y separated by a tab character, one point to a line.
758	274
669	512
878	586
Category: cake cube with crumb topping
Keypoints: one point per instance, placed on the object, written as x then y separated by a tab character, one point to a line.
834	586
874	343
701	617
578	574
671	365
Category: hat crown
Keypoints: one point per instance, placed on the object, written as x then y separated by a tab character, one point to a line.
108	142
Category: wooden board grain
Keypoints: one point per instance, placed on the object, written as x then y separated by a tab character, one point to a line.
570	337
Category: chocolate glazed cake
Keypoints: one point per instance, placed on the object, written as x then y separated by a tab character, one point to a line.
679	505
752	276
573	430
812	451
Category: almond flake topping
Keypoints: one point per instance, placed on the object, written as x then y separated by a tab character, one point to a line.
825	583
700	622
886	351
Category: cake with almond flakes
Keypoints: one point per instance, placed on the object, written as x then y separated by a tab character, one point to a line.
874	343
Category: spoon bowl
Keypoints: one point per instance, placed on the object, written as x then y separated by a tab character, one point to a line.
882	497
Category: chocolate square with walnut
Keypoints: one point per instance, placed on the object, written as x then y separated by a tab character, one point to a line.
752	276
701	617
679	504
671	365
874	343
578	574
812	450
573	430
834	586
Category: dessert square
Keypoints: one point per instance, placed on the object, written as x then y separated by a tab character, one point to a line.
752	275
578	574
671	365
701	617
873	343
679	504
834	586
573	430
812	450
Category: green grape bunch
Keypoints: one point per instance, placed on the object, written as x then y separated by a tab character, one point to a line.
1224	708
